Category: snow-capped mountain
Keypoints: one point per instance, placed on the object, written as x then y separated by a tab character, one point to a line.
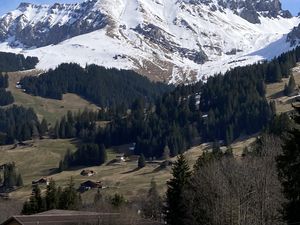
171	40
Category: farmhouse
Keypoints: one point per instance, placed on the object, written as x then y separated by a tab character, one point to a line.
87	173
88	185
121	158
67	217
43	180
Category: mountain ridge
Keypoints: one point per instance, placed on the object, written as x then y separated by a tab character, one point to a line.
170	40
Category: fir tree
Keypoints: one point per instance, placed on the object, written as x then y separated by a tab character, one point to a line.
117	200
43	127
175	210
290	88
56	130
98	197
273	108
69	199
152	207
19	181
102	154
35	203
51	197
216	149
141	161
166	153
289	170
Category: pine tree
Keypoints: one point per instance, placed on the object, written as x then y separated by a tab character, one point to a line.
19	181
289	169
56	130
273	108
27	208
141	161
43	127
229	135
152	207
117	200
175	210
38	198
216	149
277	72
166	153
51	197
98	197
290	88
102	154
62	128
35	203
69	199
10	176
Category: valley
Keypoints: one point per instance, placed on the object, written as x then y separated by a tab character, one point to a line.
177	112
39	157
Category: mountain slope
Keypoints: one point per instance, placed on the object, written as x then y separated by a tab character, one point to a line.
294	36
170	40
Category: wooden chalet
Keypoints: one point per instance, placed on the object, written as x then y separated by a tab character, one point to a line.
41	181
88	185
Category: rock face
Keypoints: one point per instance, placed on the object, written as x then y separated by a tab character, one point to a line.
158	36
41	25
294	36
168	40
250	10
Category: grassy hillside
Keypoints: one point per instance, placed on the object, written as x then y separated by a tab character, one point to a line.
49	108
40	157
275	92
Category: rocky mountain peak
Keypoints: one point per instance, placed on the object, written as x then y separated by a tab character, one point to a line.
250	10
41	25
180	39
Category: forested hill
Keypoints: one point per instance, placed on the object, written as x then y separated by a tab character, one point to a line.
224	108
104	87
10	62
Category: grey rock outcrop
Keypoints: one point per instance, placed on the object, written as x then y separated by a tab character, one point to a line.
250	10
294	36
81	19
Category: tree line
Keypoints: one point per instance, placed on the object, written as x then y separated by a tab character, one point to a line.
104	87
55	198
224	108
221	188
178	119
261	187
19	124
85	155
10	62
11	178
6	97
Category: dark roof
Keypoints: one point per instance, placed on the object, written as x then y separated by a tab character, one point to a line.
62	217
66	217
40	181
91	184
